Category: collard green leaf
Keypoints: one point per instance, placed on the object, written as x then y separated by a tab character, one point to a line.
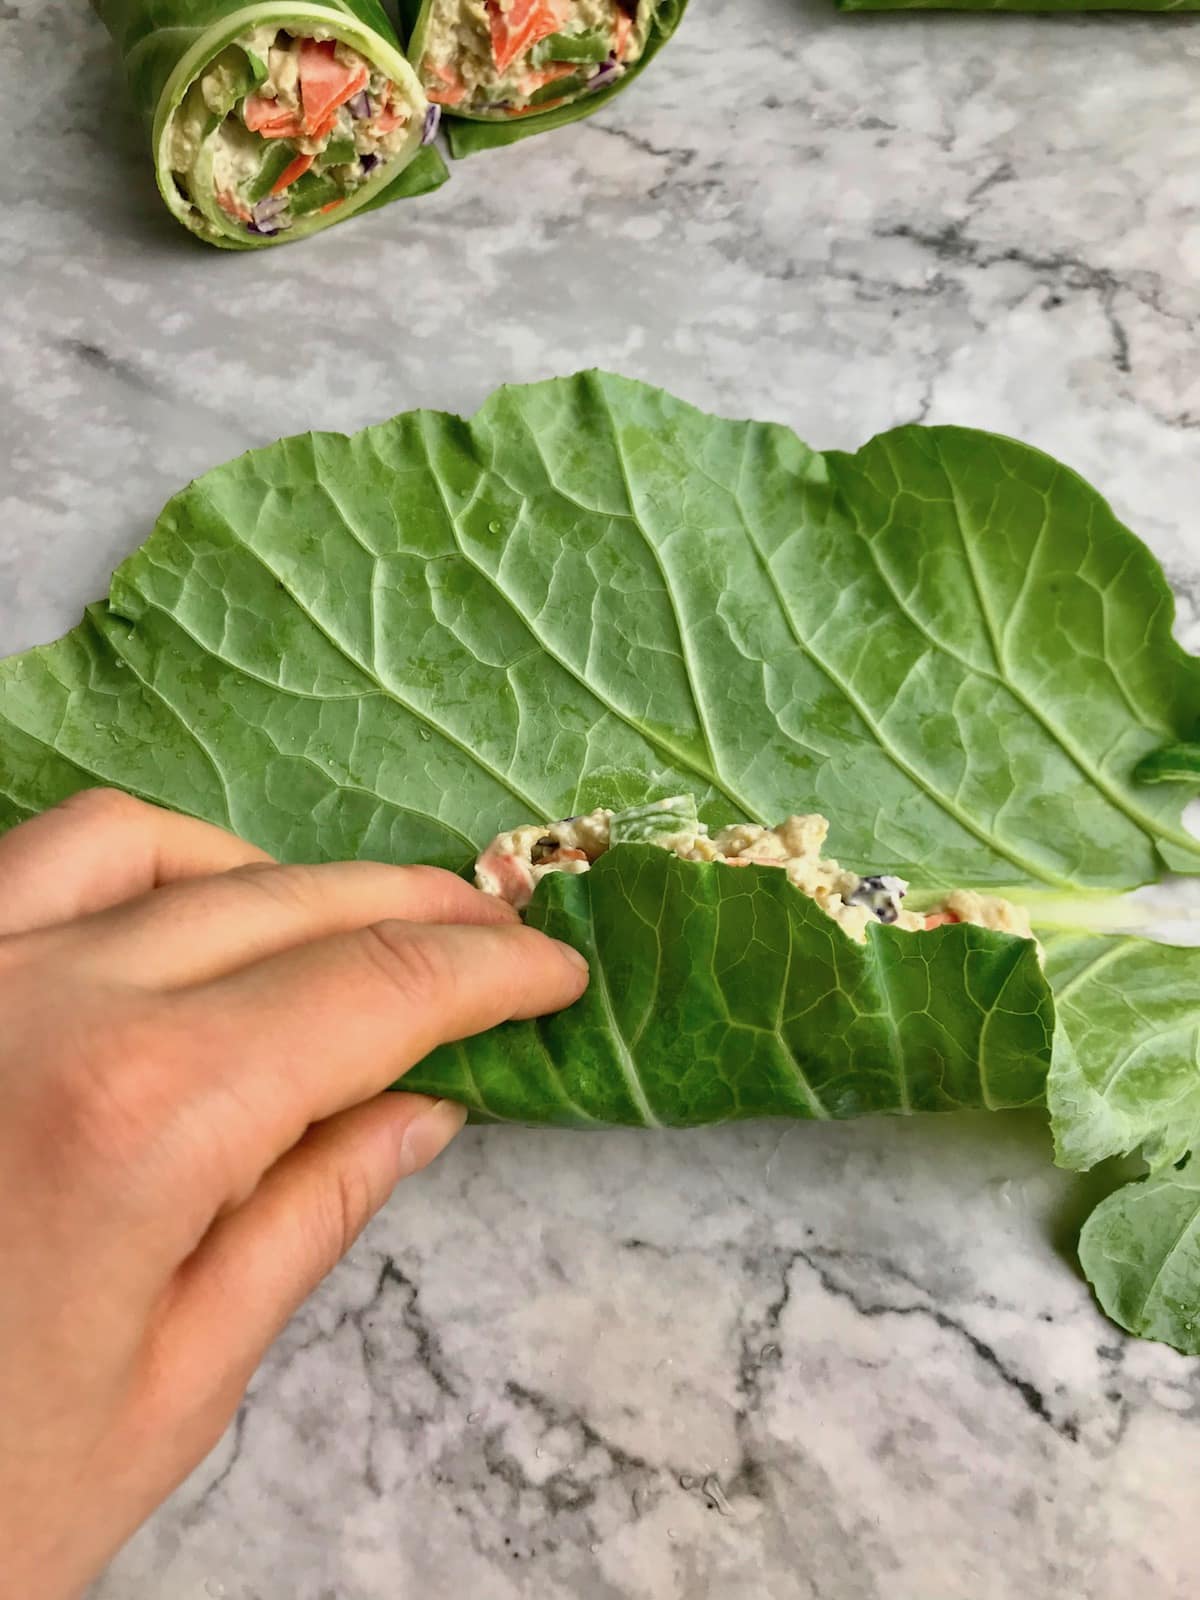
467	136
1127	1068
402	642
718	995
1141	1250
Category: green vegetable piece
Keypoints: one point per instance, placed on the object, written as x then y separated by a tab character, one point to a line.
311	191
654	823
583	47
338	153
557	89
280	153
258	67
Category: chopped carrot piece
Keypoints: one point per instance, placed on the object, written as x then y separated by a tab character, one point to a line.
271	119
939	919
325	82
294	169
450	89
520	27
333	205
230	203
390	118
621	34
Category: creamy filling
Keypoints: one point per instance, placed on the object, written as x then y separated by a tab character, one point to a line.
515	863
511	58
282	125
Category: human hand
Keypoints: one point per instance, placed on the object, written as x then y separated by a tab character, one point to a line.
193	1048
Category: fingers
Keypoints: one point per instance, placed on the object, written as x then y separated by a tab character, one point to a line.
101	847
195	932
315	1030
257	1264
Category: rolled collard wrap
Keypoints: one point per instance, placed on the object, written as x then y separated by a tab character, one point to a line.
271	121
503	69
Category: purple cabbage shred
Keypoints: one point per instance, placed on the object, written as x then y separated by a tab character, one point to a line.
433	117
359	105
369	163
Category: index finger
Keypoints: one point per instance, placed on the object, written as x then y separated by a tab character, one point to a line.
100	847
325	1025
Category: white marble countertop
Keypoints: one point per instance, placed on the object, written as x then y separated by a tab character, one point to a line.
758	1363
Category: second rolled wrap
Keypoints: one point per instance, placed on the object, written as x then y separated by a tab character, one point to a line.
504	69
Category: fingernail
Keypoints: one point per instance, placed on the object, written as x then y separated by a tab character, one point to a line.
573	955
428	1135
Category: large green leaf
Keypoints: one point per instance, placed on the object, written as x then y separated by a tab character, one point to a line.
1141	1250
396	644
717	995
401	642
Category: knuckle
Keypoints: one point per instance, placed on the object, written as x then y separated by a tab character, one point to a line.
412	963
118	1087
93	806
292	888
349	1205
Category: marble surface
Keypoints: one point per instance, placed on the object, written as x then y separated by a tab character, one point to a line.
746	1364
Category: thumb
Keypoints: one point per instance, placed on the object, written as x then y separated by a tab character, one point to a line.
257	1264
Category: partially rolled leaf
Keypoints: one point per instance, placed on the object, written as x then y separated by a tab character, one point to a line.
270	121
718	995
502	73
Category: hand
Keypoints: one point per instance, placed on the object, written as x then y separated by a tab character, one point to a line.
192	1131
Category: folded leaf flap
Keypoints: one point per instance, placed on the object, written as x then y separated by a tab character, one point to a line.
718	995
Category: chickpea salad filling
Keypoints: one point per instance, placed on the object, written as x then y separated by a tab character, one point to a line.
512	58
514	864
284	127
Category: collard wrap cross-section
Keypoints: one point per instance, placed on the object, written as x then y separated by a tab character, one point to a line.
270	121
536	65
